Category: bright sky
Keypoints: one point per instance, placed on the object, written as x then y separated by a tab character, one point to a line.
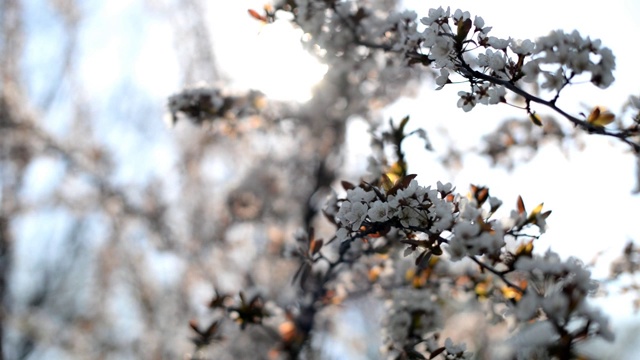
268	58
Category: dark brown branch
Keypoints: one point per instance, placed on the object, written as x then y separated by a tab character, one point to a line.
469	73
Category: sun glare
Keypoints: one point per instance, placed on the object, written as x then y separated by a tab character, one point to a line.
282	69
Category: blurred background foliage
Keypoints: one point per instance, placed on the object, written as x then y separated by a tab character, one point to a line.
116	228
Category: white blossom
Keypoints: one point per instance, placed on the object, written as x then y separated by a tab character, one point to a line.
444	188
359	195
352	214
556	305
379	211
442	80
531	70
522	47
554	81
498	43
527	307
435	14
467	101
496	94
478	22
460	15
443	213
496	61
494	202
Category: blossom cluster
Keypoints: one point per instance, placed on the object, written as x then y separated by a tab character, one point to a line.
450	40
410	316
436	213
558	289
546	292
572	55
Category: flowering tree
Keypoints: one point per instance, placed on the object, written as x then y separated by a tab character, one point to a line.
461	253
244	236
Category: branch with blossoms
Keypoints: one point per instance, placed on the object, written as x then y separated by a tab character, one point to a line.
453	44
438	226
393	216
539	292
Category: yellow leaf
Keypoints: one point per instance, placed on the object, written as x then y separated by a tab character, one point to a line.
511	293
397	171
535	119
525	249
536	210
482	289
386	182
600	116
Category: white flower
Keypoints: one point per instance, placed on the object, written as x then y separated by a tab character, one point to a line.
527	307
478	22
601	73
459	15
442	80
435	14
409	191
483	60
481	92
495	61
467	101
496	94
442	50
488	243
379	211
456	250
498	43
531	70
409	217
541	223
352	214
522	47
443	212
469	210
444	188
331	206
359	195
554	81
357	214
494	202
